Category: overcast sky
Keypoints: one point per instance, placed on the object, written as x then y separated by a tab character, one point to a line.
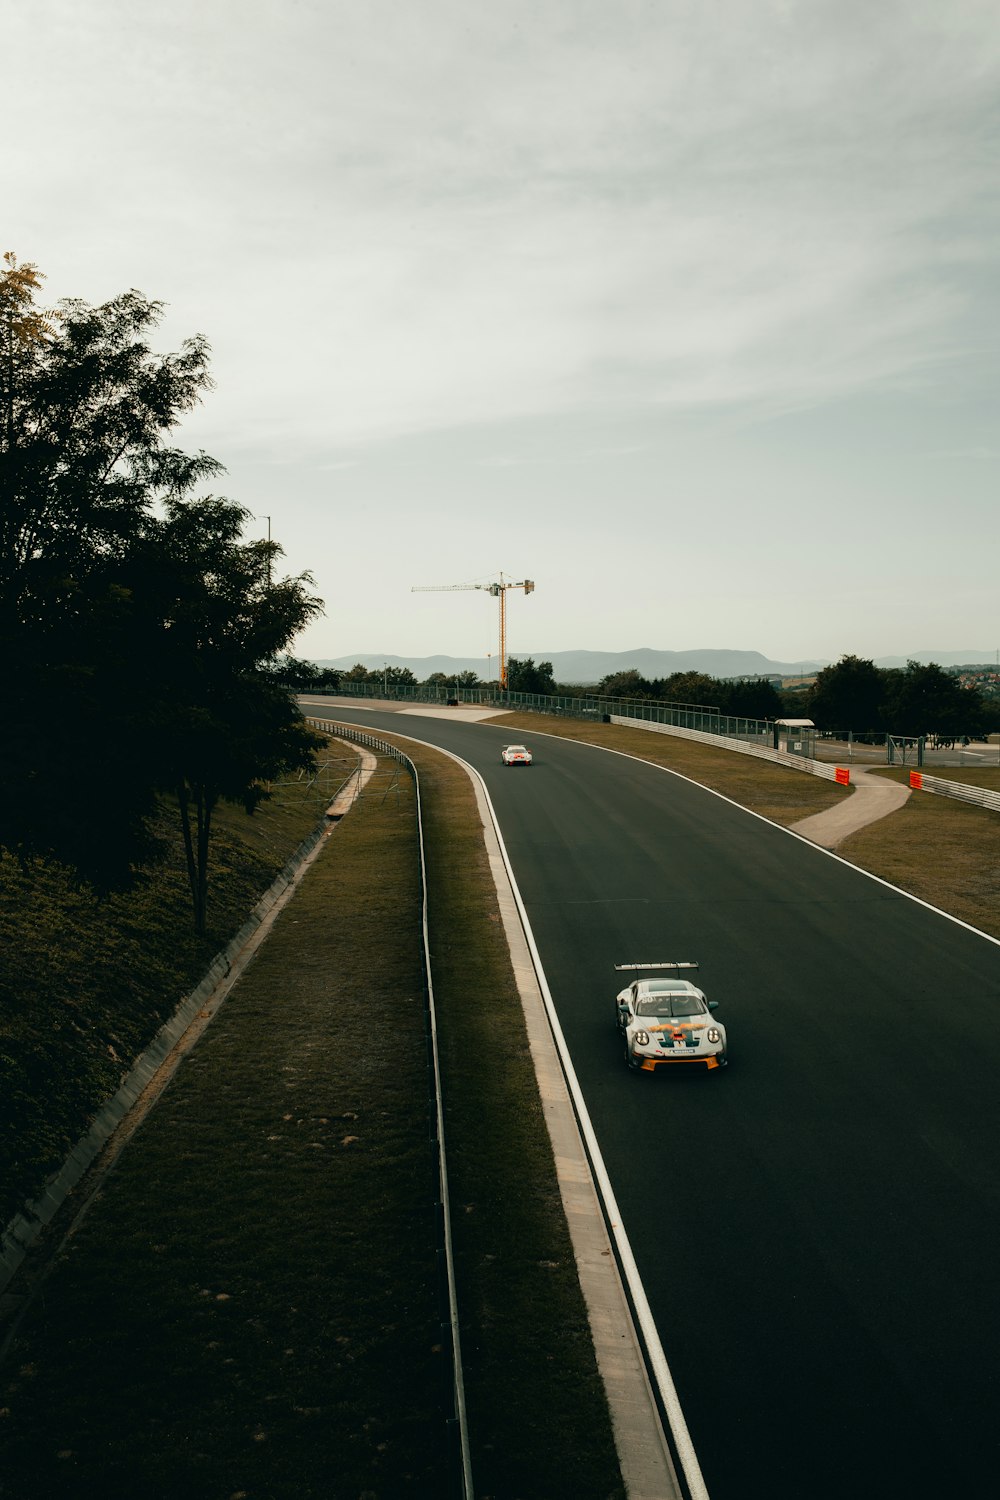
687	311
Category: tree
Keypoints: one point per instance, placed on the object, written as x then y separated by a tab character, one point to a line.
84	458
849	696
87	409
926	699
138	632
693	688
23	333
626	684
754	698
223	724
299	676
525	677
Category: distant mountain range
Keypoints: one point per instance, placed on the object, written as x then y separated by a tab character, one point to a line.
589	667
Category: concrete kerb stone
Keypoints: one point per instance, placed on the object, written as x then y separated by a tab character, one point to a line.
25	1227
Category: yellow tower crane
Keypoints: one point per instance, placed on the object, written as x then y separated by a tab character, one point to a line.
499	591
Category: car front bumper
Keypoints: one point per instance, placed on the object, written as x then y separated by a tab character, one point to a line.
702	1059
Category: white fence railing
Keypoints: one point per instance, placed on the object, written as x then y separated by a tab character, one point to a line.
980	796
826	769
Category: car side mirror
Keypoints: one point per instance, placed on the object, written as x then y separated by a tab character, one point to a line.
713	1005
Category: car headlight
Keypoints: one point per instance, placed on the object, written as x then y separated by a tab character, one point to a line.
714	1034
641	1038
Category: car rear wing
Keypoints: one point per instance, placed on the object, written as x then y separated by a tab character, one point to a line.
622	968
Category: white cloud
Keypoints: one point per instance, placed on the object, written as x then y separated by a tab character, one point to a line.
582	226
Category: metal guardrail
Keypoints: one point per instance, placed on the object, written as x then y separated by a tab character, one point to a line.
451	1328
824	769
979	796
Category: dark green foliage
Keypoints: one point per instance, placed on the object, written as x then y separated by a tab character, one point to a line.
456	680
303	676
128	607
525	677
402	676
690	687
627	684
754	698
849	696
924	699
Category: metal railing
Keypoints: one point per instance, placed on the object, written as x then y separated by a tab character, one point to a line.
979	796
761	750
590	706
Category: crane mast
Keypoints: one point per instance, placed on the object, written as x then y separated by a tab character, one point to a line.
499	592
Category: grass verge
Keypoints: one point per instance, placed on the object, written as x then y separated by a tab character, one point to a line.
85	983
944	851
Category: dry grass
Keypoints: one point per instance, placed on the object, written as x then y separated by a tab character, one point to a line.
86	982
942	850
251	1305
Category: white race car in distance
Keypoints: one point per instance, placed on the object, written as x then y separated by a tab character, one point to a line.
666	1021
515	755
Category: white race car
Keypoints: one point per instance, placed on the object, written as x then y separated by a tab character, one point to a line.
515	755
666	1020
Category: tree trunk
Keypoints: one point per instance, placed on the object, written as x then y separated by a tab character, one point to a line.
196	847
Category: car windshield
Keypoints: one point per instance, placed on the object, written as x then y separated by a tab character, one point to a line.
516	750
670	1004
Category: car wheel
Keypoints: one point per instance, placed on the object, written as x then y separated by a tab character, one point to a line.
630	1060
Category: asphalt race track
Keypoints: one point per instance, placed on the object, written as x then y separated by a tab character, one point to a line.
817	1226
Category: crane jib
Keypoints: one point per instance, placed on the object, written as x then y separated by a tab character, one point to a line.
498	590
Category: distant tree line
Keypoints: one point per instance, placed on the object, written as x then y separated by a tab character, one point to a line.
852	696
921	698
522	677
138	629
752	698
